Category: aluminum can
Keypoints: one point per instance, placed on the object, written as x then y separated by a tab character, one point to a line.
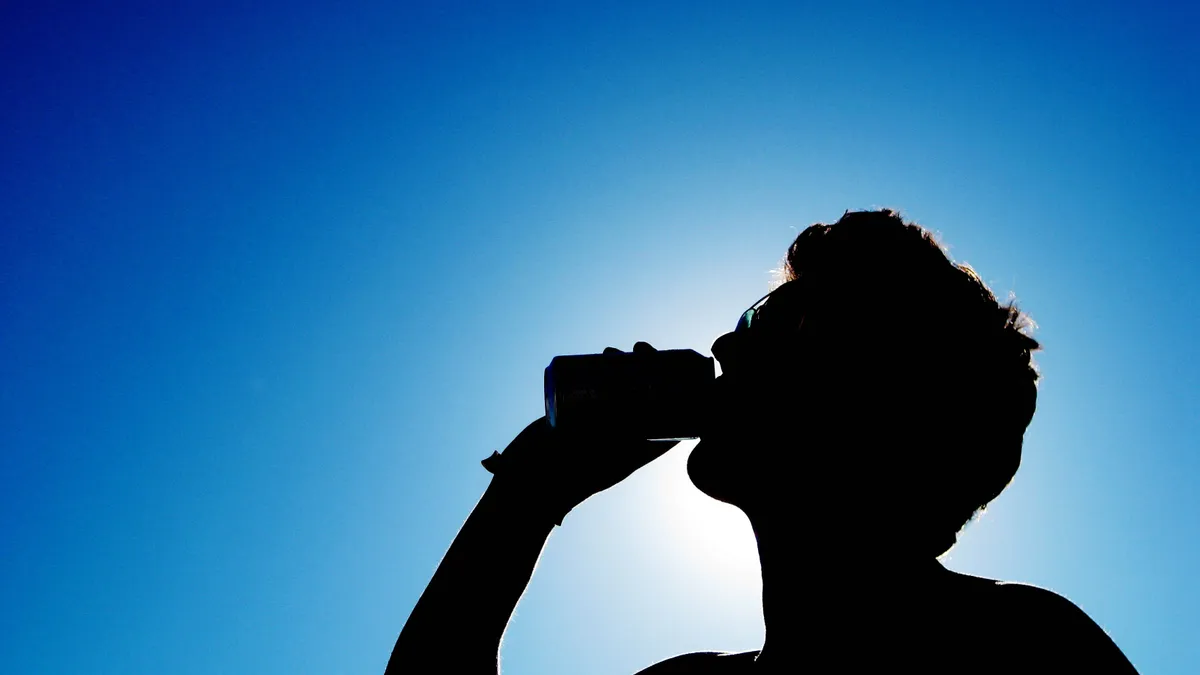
654	395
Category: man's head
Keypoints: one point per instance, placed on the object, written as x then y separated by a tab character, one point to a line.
881	381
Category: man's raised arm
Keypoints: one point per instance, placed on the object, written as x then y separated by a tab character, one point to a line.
460	619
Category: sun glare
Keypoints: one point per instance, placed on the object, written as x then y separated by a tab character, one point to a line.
713	540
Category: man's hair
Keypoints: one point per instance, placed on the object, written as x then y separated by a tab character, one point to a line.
943	368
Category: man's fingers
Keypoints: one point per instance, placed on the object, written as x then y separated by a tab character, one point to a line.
638	348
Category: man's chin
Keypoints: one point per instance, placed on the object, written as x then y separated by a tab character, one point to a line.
713	470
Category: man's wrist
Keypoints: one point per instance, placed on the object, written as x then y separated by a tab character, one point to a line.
519	499
521	489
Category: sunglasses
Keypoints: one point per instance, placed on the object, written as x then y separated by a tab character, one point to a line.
773	309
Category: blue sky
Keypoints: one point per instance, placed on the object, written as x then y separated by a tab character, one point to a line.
274	278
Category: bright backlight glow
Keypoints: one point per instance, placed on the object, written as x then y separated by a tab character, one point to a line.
712	540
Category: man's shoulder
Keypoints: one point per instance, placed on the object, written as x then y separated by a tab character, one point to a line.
703	663
1043	607
1048	623
1032	604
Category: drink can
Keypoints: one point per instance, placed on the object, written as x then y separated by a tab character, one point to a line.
654	395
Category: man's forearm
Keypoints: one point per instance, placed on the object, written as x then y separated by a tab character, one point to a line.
460	618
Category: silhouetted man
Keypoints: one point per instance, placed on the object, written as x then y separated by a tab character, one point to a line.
867	409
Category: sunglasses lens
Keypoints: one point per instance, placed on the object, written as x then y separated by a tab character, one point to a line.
744	322
783	301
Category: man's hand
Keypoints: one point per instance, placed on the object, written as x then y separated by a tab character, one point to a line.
555	471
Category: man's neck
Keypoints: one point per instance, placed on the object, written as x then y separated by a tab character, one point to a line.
819	589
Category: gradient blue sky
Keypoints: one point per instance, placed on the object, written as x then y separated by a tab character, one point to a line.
275	277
